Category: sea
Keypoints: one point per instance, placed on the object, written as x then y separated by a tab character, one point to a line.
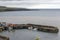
49	17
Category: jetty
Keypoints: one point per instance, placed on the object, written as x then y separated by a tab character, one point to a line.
43	28
48	29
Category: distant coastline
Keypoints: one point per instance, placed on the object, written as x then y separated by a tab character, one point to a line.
3	8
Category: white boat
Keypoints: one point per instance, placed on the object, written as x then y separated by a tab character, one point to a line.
35	29
10	28
30	28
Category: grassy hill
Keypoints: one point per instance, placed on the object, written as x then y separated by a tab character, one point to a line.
3	8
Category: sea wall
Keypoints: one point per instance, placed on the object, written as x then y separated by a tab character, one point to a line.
44	28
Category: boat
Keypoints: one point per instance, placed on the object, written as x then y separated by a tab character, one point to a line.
30	28
35	29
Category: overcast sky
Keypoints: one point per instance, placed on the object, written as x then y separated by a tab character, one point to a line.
31	3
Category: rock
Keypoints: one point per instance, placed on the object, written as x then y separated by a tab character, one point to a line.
4	38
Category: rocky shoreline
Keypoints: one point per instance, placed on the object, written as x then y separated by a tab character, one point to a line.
3	38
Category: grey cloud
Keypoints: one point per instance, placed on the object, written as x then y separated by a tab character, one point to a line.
29	3
20	3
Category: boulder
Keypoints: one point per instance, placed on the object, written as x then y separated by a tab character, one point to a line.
4	38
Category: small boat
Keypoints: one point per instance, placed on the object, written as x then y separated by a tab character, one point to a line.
10	29
35	29
1	29
30	28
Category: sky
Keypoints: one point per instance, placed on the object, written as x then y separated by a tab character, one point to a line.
42	4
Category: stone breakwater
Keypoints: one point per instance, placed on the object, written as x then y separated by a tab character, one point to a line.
44	28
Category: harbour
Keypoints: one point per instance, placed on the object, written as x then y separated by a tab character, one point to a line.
24	17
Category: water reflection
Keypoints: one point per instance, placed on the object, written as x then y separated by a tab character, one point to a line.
25	34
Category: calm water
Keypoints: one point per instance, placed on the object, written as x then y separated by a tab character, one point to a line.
44	17
25	34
